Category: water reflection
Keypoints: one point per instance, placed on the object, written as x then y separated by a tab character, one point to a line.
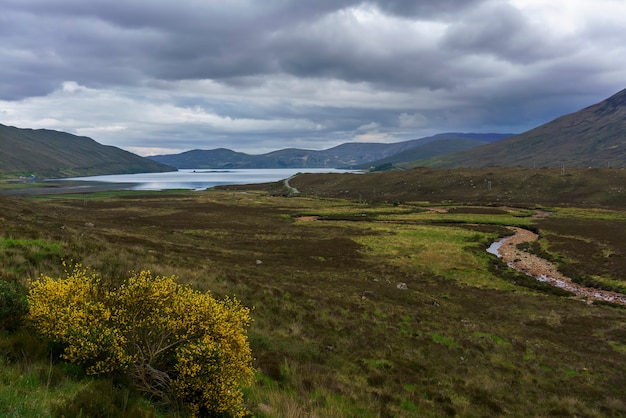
202	179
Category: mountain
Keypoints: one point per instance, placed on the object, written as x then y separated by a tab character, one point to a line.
353	154
47	153
592	137
445	145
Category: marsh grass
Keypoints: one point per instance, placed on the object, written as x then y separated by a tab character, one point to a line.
22	257
431	248
46	390
462	218
334	334
588	213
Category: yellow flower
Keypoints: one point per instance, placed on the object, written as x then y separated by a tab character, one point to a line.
150	323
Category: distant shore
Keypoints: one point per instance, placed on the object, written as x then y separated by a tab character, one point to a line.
63	187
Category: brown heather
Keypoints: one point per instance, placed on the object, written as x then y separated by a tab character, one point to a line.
370	298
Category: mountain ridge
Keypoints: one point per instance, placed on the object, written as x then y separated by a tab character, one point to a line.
346	155
48	153
594	136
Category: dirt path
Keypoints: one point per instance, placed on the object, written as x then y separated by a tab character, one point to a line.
544	270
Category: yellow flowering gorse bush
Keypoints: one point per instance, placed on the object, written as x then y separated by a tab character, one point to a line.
175	343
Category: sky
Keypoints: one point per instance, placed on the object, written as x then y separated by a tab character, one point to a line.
163	76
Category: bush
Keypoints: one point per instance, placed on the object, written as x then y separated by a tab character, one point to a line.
13	305
176	344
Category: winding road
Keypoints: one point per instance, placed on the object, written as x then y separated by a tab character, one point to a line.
292	190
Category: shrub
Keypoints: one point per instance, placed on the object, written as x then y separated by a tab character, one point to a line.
176	344
13	305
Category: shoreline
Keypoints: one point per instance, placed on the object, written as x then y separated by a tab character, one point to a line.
65	187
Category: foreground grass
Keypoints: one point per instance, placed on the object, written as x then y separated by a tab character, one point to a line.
359	309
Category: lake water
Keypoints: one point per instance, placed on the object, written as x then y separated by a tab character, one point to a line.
201	179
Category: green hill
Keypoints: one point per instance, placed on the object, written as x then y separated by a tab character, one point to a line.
484	186
47	153
592	137
428	150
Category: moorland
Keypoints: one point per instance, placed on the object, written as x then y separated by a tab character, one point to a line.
372	295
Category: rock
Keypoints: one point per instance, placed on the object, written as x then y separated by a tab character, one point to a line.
402	286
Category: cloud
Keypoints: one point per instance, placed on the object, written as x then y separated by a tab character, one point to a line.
414	120
257	76
426	9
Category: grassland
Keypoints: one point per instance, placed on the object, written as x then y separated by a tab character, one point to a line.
377	308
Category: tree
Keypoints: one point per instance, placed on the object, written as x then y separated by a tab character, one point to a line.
176	344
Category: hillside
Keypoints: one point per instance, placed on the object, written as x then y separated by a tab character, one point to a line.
47	153
515	186
349	155
428	150
592	137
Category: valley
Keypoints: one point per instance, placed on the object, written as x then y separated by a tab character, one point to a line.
384	305
372	209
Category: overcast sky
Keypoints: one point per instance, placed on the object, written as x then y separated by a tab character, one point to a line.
164	76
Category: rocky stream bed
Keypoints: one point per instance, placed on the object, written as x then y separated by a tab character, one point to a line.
543	270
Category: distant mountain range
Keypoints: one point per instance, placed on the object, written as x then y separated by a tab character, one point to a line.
592	137
47	153
357	155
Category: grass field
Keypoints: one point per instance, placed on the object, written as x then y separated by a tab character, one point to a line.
361	308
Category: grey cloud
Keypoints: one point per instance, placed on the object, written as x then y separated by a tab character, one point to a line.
468	64
344	49
426	8
408	71
43	53
196	40
500	30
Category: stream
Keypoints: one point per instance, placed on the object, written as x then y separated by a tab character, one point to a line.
543	270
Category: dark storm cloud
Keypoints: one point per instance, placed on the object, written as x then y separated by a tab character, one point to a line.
204	72
100	42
